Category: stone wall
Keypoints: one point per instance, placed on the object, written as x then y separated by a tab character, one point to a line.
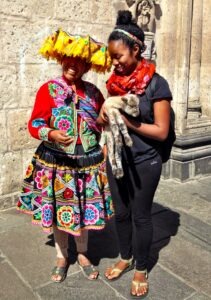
183	57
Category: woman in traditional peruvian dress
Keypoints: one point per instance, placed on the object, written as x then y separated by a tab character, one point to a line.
66	187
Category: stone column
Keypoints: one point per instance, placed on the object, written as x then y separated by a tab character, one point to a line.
194	106
191	155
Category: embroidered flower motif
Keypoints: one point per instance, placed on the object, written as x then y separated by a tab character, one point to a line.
89	193
68	193
29	170
47	215
91	215
63	123
67	177
65	215
38	178
77	218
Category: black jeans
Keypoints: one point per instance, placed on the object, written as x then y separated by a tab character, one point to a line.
132	197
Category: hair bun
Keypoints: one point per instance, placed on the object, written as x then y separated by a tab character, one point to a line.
124	17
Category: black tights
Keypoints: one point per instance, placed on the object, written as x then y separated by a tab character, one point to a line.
132	196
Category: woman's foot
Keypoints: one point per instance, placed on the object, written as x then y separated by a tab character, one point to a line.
88	269
140	285
117	270
59	272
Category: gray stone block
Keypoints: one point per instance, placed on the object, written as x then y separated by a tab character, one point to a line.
198	296
180	170
77	287
203	166
12	287
188	261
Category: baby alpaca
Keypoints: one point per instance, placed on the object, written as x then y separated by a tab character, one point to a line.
116	131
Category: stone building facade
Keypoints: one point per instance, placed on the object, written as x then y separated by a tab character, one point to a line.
183	57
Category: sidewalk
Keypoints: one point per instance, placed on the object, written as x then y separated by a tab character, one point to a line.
180	260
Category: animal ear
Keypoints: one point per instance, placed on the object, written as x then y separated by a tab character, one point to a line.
124	99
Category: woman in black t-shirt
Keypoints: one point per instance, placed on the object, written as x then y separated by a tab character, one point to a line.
133	194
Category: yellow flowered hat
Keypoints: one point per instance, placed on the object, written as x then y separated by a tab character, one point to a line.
61	44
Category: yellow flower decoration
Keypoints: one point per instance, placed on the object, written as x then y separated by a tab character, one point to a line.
62	44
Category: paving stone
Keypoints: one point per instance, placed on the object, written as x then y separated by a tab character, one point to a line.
171	288
11	219
77	287
189	261
192	198
34	253
12	287
198	296
172	221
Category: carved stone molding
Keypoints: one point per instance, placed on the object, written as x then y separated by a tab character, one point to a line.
144	12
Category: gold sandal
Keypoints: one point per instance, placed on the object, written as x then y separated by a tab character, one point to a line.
120	272
139	284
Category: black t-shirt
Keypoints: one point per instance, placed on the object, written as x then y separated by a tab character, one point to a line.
144	148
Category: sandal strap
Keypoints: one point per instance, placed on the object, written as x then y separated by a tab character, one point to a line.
143	272
117	270
59	271
139	284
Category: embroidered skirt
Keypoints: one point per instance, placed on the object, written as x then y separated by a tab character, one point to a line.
68	190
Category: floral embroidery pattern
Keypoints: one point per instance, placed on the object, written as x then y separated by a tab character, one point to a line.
43	133
91	214
47	215
68	193
63	123
65	216
38	178
59	92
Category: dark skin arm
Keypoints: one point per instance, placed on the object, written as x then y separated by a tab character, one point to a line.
157	131
102	118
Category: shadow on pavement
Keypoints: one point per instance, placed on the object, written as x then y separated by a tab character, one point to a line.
104	244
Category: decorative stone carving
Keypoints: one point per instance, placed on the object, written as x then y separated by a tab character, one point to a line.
143	12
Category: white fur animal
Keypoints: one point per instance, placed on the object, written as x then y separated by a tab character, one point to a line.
117	130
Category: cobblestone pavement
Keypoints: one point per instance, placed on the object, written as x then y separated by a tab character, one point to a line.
180	259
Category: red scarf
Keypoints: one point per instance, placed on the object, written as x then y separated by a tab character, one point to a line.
135	83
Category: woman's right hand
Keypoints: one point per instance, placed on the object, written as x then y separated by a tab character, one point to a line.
61	137
103	118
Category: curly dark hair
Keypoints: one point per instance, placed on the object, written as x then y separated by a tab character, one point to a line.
125	22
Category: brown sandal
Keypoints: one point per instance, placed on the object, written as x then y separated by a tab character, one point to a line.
61	271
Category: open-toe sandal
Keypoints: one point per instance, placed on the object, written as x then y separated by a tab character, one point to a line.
88	271
137	284
59	271
120	272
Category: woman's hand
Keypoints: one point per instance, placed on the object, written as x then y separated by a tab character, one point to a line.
103	118
61	137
